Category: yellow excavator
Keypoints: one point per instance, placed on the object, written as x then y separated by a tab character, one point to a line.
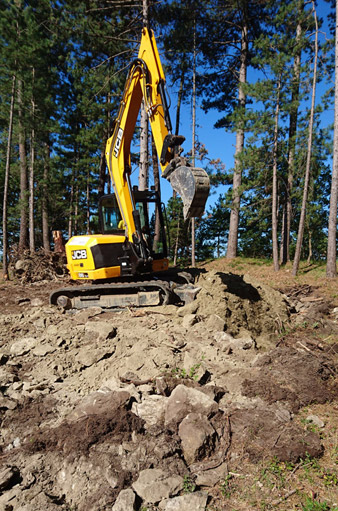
123	266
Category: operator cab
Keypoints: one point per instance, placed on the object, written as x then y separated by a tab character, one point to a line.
149	207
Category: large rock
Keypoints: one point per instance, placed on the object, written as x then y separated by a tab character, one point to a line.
197	437
184	400
43	349
191	502
151	409
23	346
6	377
87	357
125	501
97	403
154	485
100	330
211	477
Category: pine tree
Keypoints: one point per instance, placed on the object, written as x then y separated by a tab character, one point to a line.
331	267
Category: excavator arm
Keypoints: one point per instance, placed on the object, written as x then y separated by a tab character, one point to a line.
146	81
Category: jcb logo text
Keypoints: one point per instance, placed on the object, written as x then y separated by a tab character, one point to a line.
118	142
79	254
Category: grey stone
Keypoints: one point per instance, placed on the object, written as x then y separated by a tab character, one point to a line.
112	478
98	403
223	337
154	485
6	377
315	420
8	500
36	302
184	400
100	330
23	346
6	403
192	502
43	349
116	385
17	385
87	357
125	501
190	308
197	437
40	323
212	476
151	409
216	323
189	320
83	316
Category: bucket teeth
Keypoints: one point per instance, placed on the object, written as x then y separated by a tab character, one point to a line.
192	185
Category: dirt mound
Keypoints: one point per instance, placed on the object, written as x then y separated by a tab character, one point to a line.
131	409
244	304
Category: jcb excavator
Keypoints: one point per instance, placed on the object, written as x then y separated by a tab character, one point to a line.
120	264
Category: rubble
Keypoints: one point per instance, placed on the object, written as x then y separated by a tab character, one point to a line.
119	409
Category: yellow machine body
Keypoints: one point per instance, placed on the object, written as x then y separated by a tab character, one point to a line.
80	252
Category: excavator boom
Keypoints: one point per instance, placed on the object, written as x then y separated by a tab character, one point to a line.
146	81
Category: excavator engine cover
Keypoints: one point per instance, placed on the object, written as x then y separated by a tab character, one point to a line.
192	185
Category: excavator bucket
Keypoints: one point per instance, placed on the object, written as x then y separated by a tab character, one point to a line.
192	185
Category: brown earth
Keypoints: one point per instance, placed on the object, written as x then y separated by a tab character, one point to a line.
211	398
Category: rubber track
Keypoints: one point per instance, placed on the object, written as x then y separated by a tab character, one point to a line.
104	289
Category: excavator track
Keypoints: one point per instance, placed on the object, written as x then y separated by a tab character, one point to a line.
124	294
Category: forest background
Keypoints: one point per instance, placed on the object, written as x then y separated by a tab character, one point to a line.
261	74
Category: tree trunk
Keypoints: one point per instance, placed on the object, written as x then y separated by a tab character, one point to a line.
76	207
308	156
275	186
282	236
292	142
331	264
143	180
88	203
143	172
179	103
23	237
71	204
193	261
237	179
5	202
31	176
178	111
309	257
176	242
145	16
44	202
103	166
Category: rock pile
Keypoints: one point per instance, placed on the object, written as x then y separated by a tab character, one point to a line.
150	409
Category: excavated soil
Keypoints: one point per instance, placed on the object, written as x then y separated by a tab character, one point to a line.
120	409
